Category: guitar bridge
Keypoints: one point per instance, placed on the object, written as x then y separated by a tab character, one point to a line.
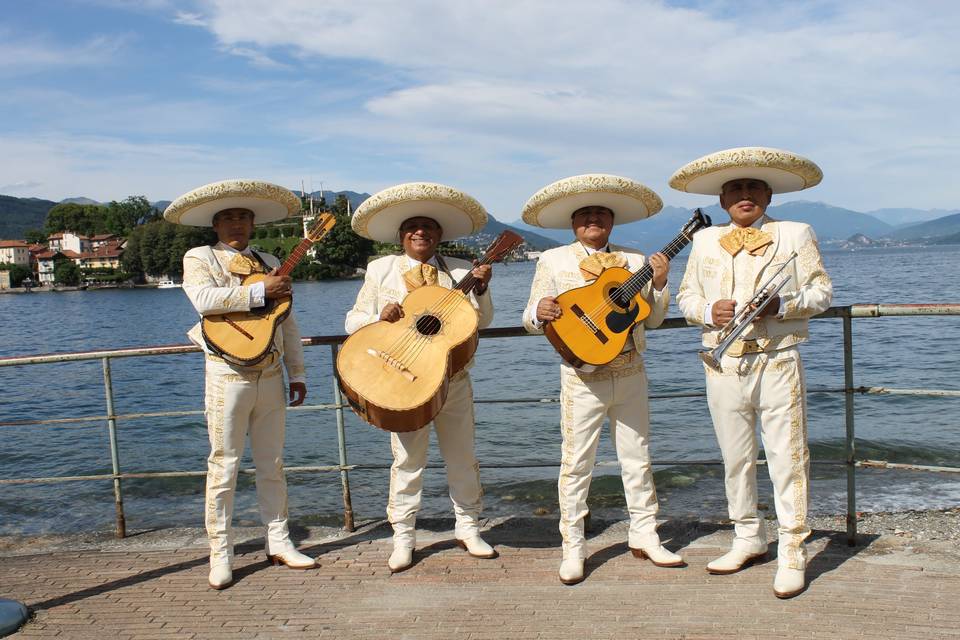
591	325
393	362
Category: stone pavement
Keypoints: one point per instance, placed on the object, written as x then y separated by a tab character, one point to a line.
153	585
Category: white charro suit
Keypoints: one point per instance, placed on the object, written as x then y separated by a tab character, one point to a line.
454	424
618	391
766	381
241	400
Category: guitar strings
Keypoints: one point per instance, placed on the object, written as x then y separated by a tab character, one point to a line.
631	286
408	347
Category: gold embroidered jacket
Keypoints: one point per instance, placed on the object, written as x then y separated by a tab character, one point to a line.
212	289
709	277
558	271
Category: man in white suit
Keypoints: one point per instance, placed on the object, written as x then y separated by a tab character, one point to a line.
242	399
418	216
760	375
591	205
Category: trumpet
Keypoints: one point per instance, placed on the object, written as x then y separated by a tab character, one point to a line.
747	313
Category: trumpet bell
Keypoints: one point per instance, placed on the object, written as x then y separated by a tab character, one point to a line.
710	360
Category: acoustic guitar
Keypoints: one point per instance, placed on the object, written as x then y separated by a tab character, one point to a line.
596	320
245	337
396	374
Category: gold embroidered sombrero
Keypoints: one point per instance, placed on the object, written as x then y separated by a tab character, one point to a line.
552	206
269	202
380	216
781	170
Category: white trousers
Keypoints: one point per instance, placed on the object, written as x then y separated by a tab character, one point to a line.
242	400
586	400
454	426
770	387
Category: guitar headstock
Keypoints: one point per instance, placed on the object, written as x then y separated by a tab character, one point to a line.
506	242
698	221
320	227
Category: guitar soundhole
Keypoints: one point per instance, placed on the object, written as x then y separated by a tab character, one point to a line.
616	296
428	325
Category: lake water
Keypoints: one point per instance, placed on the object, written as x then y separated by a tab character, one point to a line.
893	352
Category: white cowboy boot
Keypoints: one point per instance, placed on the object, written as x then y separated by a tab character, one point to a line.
221	576
476	547
789	582
733	561
404	542
658	555
571	569
293	559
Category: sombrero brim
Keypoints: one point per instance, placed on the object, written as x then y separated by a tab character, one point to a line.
380	216
552	206
269	202
782	170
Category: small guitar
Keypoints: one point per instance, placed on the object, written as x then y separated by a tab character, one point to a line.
597	319
246	337
396	374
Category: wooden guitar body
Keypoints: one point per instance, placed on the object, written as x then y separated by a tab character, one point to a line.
594	325
396	374
245	337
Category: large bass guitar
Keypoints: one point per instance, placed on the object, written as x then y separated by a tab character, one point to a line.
246	337
596	320
396	374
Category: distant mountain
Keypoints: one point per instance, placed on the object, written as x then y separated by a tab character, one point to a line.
931	230
17	215
79	200
355	199
907	217
829	223
489	233
161	205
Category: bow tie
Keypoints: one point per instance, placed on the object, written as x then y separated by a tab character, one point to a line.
749	238
424	274
593	265
244	265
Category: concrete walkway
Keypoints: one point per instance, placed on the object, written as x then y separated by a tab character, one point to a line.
153	585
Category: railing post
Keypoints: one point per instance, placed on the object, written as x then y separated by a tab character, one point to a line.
850	447
342	442
114	454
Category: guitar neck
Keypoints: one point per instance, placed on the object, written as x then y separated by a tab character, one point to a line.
295	257
504	244
643	275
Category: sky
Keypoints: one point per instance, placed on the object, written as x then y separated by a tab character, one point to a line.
111	98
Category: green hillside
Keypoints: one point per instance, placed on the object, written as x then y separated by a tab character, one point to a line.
19	214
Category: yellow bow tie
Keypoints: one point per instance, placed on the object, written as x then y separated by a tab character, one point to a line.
749	238
425	274
593	265
244	265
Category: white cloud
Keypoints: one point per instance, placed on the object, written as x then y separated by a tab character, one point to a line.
190	19
21	56
864	88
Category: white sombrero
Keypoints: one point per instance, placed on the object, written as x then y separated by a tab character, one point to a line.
380	216
269	202
781	170
552	206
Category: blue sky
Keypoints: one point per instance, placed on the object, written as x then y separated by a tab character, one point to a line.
110	98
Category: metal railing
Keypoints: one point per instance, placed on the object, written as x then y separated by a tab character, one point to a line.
850	462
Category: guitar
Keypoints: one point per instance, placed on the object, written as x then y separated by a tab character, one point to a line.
596	319
246	337
396	374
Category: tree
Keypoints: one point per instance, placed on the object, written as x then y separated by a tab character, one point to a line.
35	236
84	219
18	273
121	217
66	272
342	250
157	248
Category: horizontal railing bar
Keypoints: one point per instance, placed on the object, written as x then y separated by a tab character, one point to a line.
871	310
866	464
946	393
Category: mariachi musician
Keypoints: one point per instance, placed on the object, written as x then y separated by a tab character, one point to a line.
591	205
760	375
419	216
243	399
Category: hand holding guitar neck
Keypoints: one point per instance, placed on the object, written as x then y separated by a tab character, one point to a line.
276	286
